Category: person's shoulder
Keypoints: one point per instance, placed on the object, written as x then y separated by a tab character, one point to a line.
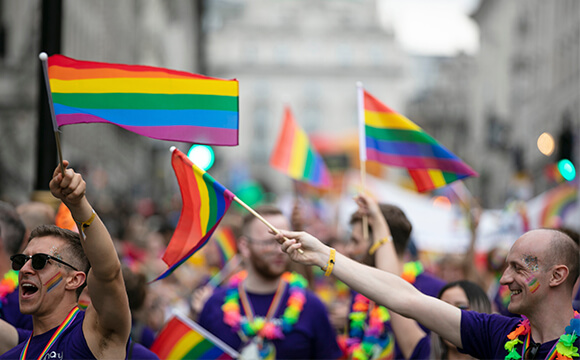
312	300
138	351
492	320
13	353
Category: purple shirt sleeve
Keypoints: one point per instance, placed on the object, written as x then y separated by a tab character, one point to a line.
423	349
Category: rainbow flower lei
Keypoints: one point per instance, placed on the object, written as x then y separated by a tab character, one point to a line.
564	349
361	343
261	327
411	270
7	285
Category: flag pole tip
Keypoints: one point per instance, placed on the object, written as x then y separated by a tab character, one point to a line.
43	56
172	149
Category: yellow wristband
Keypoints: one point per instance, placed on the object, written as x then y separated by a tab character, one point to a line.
86	224
330	265
379	243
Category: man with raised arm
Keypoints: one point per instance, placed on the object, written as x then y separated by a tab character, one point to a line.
542	269
53	269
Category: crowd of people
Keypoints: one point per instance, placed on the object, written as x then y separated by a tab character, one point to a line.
305	293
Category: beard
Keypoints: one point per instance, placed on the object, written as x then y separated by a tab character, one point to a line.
268	270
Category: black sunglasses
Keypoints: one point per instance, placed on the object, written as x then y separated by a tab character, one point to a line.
38	261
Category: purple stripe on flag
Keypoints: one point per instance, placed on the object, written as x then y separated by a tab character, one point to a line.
413	162
184	133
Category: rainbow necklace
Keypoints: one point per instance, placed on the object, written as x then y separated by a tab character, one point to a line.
61	329
260	326
7	285
563	349
411	270
361	342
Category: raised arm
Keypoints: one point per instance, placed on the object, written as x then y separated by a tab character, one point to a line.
384	288
108	319
407	332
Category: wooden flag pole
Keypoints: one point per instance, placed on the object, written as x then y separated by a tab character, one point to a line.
253	212
362	150
43	58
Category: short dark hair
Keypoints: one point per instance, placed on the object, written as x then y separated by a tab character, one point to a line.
477	298
73	248
263	210
136	286
564	250
12	229
399	225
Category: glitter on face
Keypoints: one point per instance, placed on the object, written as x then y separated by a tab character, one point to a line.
531	262
54	252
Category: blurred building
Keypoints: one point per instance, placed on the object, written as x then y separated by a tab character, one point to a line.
528	71
148	32
307	55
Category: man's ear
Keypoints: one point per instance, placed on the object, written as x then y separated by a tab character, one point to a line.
76	280
243	246
559	274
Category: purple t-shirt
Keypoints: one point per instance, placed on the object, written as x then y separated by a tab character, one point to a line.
312	337
422	350
484	335
10	311
429	284
70	345
136	351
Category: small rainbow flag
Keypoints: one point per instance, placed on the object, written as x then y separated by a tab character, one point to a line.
150	101
558	202
182	338
295	156
392	139
226	242
205	202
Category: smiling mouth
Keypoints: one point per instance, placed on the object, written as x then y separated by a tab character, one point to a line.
515	292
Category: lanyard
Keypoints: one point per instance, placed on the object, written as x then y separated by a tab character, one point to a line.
63	326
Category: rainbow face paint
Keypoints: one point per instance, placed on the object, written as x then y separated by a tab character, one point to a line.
84	304
531	262
53	282
533	283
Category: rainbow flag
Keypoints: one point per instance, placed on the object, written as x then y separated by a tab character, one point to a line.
226	242
205	202
295	156
557	204
150	101
394	140
182	338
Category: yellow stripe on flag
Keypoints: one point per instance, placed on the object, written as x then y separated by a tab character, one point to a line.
185	344
299	148
389	121
204	208
436	177
146	86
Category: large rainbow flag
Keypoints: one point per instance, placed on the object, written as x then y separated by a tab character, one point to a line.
295	156
182	338
150	101
394	140
205	202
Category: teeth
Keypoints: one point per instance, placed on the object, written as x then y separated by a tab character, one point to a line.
28	285
515	292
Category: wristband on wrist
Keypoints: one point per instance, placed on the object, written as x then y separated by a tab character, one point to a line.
380	243
86	224
330	264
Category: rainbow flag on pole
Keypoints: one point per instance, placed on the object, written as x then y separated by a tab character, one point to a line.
392	139
295	156
150	101
205	202
182	338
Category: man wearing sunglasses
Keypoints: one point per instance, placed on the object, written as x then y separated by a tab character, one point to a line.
52	271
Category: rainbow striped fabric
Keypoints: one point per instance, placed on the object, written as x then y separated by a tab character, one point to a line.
150	101
558	204
394	140
182	338
295	156
205	202
226	242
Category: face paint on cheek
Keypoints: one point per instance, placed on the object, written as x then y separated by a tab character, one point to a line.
533	283
84	304
53	282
